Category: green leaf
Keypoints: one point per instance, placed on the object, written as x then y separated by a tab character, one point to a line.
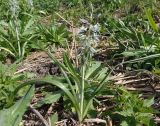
69	65
133	53
55	82
49	98
148	102
144	118
54	119
124	123
27	29
93	70
151	20
7	50
126	113
13	115
143	58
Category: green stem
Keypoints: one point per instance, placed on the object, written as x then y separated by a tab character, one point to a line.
17	35
82	93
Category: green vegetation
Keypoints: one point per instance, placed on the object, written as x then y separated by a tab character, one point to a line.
92	44
135	111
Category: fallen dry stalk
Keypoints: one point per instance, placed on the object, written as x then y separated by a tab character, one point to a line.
141	89
96	120
39	115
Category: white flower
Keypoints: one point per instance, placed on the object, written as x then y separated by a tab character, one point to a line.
95	28
14	7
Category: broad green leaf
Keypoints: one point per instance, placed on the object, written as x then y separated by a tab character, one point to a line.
13	115
49	98
124	123
55	82
148	102
102	74
93	70
27	29
54	119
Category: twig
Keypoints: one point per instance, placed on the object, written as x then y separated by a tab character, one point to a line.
131	81
95	120
49	111
62	121
157	120
39	115
109	121
105	96
74	122
49	122
20	71
141	89
122	77
64	19
100	110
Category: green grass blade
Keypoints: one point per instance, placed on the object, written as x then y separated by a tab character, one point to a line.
151	20
70	66
56	61
7	50
142	59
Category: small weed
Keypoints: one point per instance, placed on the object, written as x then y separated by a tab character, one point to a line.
133	109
